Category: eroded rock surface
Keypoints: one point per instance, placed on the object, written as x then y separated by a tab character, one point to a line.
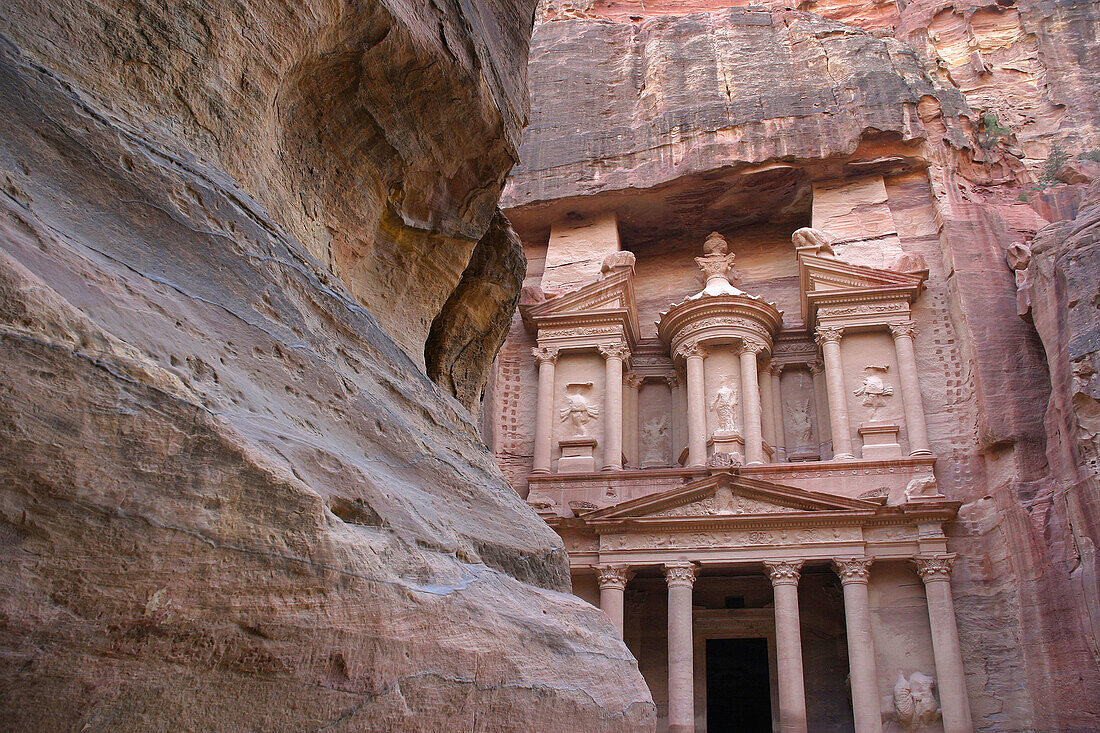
230	498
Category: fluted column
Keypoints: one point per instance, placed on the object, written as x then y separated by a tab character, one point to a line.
854	575
915	425
788	643
613	355
935	571
821	406
613	580
767	410
777	410
631	430
680	577
544	407
829	340
750	400
694	354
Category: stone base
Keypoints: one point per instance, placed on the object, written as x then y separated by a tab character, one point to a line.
727	442
800	455
577	455
880	441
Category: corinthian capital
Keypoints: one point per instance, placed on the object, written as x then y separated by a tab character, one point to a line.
613	576
784	571
934	567
829	334
545	354
816	367
680	573
633	380
614	351
690	349
853	569
905	328
751	346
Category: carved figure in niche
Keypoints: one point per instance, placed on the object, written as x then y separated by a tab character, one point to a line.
819	241
578	411
874	391
802	428
725	406
654	431
1018	255
915	704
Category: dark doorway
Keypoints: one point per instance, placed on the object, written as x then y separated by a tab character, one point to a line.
738	686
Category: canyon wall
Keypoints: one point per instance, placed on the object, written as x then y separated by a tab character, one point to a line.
236	237
981	122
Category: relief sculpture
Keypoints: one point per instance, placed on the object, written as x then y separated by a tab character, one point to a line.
725	407
654	435
802	429
578	411
915	703
874	390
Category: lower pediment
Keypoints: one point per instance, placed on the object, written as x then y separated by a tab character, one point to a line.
724	501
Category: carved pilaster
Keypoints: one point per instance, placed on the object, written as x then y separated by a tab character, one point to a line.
634	380
545	354
853	569
828	335
614	351
613	576
680	573
784	572
905	328
935	567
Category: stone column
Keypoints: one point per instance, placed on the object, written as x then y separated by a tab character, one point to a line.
821	406
915	425
675	428
544	407
694	354
829	340
767	409
614	355
935	571
613	580
750	402
777	409
631	431
680	577
854	575
788	643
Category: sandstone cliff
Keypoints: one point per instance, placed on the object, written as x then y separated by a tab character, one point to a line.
230	496
982	120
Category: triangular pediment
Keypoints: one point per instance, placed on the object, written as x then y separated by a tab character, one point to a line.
728	494
611	295
827	279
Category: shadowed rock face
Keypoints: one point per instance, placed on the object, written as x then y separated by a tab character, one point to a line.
230	497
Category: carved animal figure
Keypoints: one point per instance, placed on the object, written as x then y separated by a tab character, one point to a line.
725	406
810	237
922	486
915	704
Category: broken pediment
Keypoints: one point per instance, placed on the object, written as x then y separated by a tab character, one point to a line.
609	297
827	282
729	494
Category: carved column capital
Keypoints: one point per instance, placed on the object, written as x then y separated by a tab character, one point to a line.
614	351
784	572
828	335
690	349
680	572
853	569
776	369
634	380
903	329
751	346
935	567
613	576
673	380
816	367
545	354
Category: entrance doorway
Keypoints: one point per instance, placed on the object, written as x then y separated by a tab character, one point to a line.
738	686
